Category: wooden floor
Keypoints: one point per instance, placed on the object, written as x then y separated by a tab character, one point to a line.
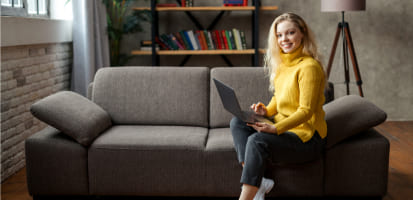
400	186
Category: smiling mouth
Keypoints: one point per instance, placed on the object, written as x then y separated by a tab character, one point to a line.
287	46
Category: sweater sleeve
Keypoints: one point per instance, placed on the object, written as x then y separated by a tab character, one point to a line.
310	79
272	107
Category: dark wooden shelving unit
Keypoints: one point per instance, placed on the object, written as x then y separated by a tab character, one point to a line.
254	51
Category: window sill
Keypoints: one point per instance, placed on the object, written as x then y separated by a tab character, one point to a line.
28	31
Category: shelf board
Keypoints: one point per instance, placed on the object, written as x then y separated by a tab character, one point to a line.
198	52
210	8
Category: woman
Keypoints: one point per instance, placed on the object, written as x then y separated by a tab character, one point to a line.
297	135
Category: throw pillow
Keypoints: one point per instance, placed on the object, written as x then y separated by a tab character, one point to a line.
349	115
73	114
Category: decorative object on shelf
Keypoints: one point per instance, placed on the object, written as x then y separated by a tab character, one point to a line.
146	45
119	23
344	29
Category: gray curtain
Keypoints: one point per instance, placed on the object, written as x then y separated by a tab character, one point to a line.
90	43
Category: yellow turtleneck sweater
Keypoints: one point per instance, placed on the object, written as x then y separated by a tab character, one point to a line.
299	96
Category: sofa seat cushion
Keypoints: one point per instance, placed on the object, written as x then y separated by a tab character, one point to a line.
304	179
152	138
223	169
148	161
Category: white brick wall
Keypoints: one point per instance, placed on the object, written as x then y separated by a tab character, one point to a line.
28	73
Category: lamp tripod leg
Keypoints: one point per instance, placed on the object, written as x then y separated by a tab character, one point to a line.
333	50
345	59
353	58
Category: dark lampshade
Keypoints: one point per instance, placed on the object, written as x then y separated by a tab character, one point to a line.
342	5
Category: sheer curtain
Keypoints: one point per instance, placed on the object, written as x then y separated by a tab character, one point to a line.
90	43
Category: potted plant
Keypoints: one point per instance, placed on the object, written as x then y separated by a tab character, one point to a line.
121	20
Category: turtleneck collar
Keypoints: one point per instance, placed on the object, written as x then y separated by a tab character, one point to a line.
293	58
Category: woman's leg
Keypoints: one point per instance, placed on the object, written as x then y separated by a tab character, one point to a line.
240	133
286	148
248	192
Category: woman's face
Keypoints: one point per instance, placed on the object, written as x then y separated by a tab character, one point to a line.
289	36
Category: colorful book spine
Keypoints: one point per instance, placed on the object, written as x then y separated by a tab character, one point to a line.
232	40
243	40
188	39
165	38
176	42
166	5
228	36
198	40
245	3
218	37
209	40
182	37
237	39
214	39
204	40
165	41
224	39
180	40
162	44
193	41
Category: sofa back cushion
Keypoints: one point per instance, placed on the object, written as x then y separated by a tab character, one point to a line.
153	95
250	85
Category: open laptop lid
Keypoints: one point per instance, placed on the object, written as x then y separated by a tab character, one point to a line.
228	98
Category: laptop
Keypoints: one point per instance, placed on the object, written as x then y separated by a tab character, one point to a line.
231	104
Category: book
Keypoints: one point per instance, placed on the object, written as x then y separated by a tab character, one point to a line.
166	5
227	35
198	39
176	42
214	38
234	45
203	40
234	3
180	40
209	40
193	41
183	3
224	39
243	40
237	39
187	39
219	39
168	41
163	45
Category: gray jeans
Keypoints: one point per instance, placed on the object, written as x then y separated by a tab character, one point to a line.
256	149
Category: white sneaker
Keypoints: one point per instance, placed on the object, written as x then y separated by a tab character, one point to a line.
265	188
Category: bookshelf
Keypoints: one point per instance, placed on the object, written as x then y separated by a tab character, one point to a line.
254	51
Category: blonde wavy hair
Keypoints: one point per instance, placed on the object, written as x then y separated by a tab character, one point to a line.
272	57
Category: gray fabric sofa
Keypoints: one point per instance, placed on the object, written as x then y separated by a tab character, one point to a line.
169	136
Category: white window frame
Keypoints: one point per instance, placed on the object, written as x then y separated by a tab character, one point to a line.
24	11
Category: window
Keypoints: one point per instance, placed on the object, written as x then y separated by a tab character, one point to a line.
25	8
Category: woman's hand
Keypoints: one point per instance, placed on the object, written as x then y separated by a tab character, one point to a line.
263	127
259	108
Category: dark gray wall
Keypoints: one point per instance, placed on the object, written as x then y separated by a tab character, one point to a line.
381	36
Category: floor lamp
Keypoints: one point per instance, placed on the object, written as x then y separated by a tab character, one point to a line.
344	29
